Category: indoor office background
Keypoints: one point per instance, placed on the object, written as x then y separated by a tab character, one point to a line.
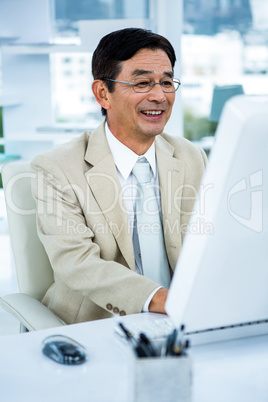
45	54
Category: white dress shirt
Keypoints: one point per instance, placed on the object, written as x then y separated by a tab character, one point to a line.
125	160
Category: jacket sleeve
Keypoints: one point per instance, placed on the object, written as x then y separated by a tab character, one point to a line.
77	259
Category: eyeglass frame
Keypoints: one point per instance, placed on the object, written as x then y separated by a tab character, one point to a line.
152	83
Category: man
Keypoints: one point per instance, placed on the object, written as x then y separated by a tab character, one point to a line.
87	191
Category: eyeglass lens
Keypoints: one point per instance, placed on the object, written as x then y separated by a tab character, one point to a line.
145	85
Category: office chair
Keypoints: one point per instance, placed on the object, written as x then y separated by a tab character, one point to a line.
221	94
34	272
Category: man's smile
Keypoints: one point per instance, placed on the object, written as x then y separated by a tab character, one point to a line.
152	112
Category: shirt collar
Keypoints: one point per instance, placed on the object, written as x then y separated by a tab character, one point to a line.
124	158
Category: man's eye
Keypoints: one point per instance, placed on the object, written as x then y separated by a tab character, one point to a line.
167	83
142	84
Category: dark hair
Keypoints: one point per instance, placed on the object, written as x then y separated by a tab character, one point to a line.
121	45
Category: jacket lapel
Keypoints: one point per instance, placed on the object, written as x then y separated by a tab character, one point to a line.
171	178
103	181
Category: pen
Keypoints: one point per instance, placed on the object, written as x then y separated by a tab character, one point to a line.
147	342
170	342
139	348
187	344
128	334
181	345
126	331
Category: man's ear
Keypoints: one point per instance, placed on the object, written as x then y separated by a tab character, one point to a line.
100	92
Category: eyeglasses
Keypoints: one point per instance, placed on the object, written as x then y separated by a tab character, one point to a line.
142	85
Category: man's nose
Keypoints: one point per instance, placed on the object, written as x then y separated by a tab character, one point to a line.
156	93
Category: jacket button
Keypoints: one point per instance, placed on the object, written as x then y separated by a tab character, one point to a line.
116	310
122	312
109	306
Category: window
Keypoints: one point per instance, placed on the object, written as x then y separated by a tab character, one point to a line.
68	12
225	42
71	73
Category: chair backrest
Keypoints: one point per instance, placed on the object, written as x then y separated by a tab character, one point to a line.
34	272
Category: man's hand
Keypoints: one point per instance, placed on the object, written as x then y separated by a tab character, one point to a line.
158	301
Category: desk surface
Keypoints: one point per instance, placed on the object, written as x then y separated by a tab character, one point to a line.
229	371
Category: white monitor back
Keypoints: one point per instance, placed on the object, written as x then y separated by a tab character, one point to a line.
221	278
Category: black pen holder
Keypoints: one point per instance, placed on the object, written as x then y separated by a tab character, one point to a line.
162	379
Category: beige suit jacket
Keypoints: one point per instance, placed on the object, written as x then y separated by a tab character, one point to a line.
85	230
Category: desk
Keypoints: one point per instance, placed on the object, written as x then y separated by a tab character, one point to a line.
230	371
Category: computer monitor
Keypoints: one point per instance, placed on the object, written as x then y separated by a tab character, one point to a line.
221	278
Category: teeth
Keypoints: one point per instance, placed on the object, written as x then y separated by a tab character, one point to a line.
152	112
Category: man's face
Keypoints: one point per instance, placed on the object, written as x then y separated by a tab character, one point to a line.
129	115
